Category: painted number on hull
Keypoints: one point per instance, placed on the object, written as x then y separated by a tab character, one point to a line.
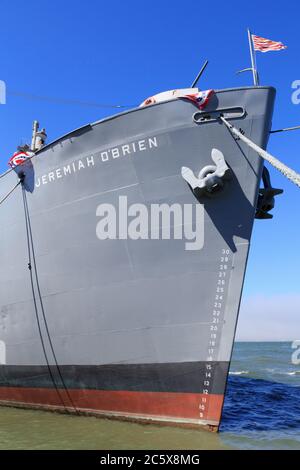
216	321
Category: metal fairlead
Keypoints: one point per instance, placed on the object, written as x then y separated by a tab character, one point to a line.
211	178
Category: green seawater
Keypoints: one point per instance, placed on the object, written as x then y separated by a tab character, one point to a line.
262	411
24	429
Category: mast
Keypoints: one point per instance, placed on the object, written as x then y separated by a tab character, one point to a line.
199	74
253	59
38	137
35	128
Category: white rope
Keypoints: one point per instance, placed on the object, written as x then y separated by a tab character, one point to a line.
285	170
9	193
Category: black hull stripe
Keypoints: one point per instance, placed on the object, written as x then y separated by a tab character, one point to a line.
187	377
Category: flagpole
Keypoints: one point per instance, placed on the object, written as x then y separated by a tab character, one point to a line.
254	71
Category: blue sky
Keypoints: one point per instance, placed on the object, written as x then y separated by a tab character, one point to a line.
121	52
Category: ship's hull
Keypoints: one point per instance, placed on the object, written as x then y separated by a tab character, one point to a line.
140	328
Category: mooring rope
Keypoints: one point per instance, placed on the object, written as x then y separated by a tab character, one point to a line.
36	308
31	256
290	174
9	193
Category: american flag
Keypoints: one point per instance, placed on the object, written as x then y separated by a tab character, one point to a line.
266	45
19	158
200	99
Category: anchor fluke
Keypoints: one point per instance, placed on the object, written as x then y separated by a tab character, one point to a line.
266	197
188	175
211	178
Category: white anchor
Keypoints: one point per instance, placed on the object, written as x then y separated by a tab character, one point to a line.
211	177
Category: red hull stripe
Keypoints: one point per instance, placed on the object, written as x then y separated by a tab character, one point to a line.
188	406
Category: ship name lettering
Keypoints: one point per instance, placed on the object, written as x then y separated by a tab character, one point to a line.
110	154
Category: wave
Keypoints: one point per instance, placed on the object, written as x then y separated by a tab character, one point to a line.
239	372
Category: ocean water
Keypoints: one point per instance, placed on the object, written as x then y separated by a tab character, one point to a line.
262	404
261	411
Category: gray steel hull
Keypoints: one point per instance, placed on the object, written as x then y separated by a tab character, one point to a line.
141	329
